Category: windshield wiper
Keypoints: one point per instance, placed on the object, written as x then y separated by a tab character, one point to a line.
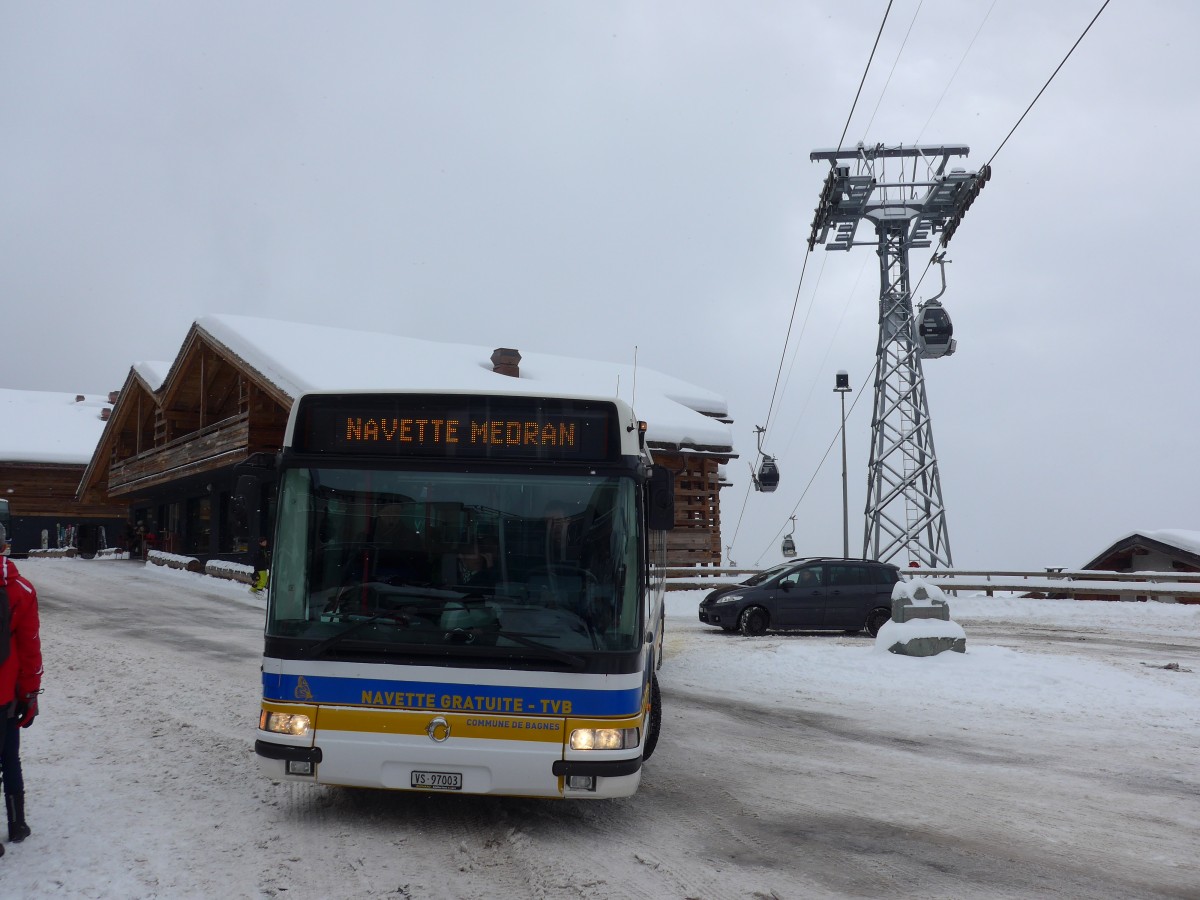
321	646
526	640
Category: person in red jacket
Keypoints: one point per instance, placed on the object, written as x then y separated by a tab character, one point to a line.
20	684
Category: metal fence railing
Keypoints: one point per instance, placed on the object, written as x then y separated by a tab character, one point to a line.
1183	587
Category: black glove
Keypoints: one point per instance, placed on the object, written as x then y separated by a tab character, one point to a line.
27	710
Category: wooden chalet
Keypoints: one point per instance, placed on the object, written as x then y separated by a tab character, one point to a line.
168	451
1150	551
48	438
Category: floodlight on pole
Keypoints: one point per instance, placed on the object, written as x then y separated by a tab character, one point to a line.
841	385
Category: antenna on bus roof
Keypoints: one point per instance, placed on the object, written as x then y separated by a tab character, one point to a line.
633	397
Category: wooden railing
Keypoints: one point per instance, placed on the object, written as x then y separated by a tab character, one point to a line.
699	578
207	448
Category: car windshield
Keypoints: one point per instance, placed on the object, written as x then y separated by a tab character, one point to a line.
767	573
391	560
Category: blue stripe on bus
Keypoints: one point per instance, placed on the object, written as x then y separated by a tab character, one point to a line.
448	697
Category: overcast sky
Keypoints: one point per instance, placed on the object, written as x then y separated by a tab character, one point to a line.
585	179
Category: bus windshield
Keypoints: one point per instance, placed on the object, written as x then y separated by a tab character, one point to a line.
446	563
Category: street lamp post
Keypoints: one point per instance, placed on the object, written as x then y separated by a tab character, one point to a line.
842	386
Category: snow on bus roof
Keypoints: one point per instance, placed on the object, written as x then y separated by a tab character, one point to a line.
300	358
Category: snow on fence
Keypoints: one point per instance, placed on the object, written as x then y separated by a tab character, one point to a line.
1170	587
72	552
218	568
1178	587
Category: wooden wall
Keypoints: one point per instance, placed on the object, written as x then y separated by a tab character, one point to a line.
696	540
48	489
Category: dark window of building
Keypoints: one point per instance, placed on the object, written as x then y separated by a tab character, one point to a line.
227	540
198	530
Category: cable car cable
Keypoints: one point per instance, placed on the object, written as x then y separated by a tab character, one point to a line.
786	339
804	325
738	527
804	265
828	349
1048	80
892	72
864	75
996	153
870	377
953	74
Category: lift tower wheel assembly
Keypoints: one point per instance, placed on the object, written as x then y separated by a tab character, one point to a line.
905	514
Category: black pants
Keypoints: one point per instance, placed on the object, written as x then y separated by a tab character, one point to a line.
10	756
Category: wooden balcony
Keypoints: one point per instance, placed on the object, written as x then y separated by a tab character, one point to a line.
212	447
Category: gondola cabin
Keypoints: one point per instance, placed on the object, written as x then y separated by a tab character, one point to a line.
934	331
788	548
767	478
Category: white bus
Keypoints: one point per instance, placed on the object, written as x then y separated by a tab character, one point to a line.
466	595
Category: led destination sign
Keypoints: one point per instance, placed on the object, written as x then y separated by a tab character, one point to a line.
461	427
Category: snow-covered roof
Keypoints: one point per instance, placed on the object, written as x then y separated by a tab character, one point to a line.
153	372
1185	541
48	427
299	358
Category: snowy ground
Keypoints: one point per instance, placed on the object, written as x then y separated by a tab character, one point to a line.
1056	758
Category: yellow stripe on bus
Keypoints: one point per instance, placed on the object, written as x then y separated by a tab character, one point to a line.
410	722
391	721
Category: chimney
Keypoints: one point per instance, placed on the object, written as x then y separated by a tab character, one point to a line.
506	361
79	398
113	395
105	413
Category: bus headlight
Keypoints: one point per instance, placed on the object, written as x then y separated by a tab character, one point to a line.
284	723
604	738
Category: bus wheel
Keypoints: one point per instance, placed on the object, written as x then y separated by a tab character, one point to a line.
653	720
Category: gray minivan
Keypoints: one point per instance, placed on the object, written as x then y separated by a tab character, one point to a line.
810	595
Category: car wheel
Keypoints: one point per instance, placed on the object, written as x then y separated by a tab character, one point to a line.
653	720
876	619
754	621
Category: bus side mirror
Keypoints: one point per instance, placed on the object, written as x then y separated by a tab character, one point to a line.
660	516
